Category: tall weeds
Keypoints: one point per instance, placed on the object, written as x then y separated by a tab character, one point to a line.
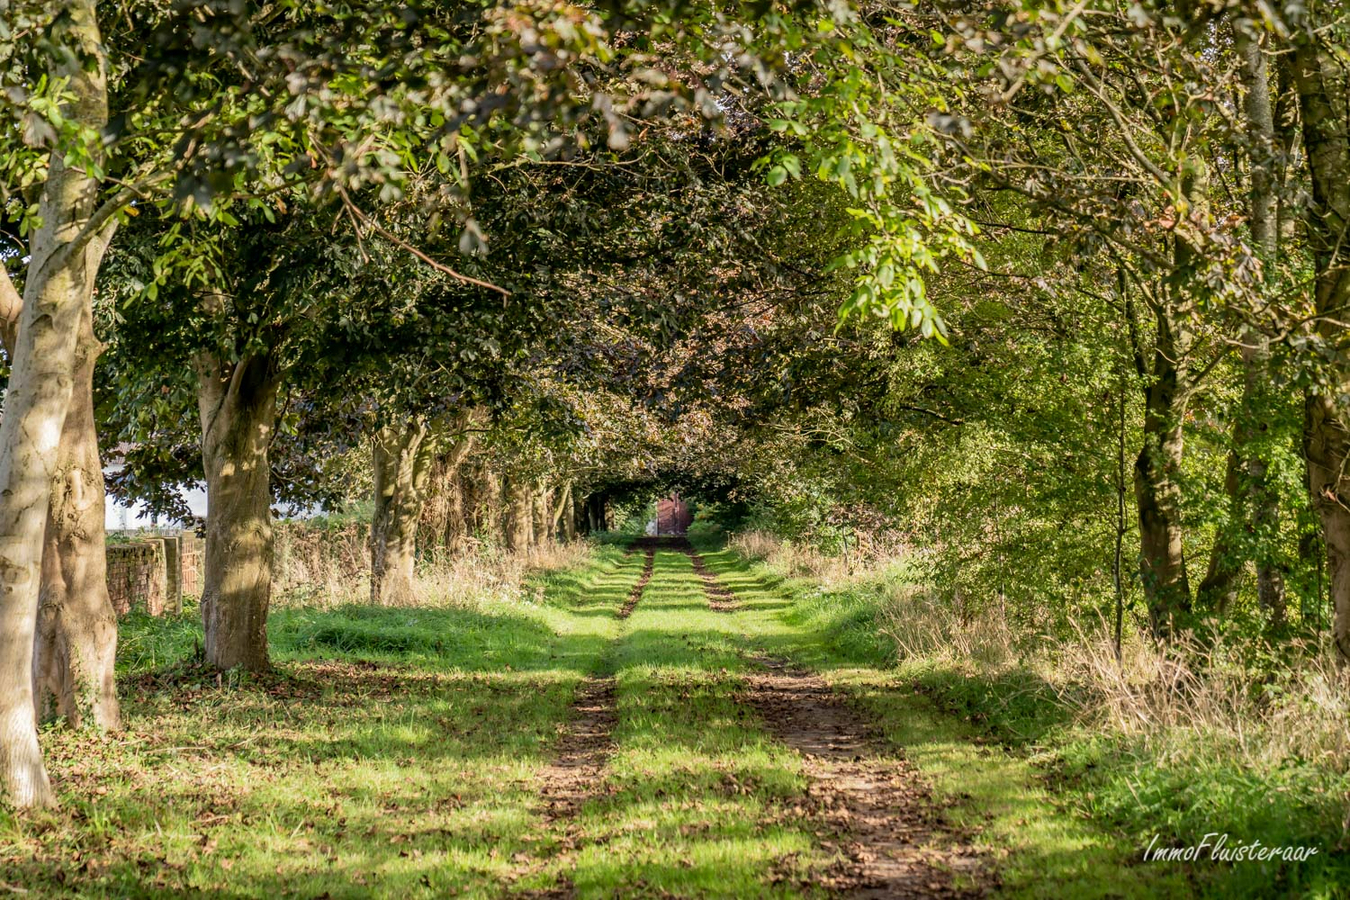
331	567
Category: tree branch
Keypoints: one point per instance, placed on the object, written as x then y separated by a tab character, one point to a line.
930	412
374	226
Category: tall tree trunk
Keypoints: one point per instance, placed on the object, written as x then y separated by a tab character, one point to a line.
64	257
519	519
1272	139
1218	589
596	514
238	403
76	642
403	458
1253	505
456	515
488	512
543	514
466	428
578	514
1162	561
564	517
1321	82
472	498
75	647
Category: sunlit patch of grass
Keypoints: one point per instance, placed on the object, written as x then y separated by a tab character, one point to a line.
394	753
694	803
1174	745
1036	846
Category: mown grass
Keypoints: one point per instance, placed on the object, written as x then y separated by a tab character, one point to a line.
394	753
1073	804
402	752
695	797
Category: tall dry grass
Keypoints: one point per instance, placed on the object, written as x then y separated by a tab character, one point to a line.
798	560
331	567
484	574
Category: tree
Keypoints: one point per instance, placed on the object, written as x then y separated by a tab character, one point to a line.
1318	38
405	455
65	252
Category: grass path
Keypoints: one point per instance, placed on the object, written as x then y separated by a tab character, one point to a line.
635	730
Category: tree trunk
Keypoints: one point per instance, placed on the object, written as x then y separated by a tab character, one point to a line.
1321	82
403	458
543	514
1271	140
1162	562
1253	505
564	518
238	411
489	515
578	514
76	642
64	257
462	442
456	516
596	518
519	515
75	646
1218	589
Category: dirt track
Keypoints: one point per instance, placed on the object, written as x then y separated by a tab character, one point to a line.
888	828
867	804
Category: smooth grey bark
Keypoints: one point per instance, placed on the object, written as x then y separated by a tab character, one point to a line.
76	642
75	645
64	257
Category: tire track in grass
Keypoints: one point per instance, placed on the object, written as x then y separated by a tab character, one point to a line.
586	745
719	598
889	829
893	841
635	595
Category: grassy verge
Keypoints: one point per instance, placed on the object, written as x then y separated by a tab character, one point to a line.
394	753
1072	804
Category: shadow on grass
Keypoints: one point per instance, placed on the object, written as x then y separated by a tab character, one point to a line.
391	754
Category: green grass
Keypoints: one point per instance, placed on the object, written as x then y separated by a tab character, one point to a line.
401	752
695	790
1072	808
394	753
